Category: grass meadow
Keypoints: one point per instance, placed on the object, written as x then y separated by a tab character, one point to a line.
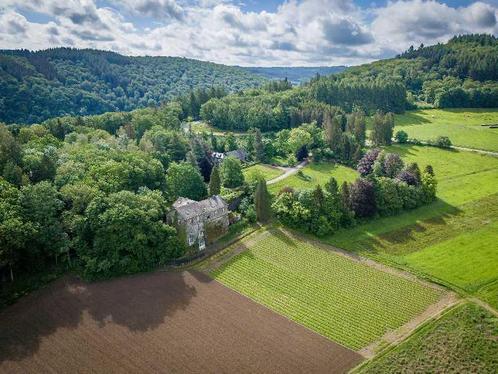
336	296
316	173
462	126
462	341
266	171
452	240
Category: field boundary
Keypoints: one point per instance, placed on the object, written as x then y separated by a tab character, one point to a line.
415	332
399	335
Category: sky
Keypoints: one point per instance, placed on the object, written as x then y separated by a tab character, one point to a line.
244	32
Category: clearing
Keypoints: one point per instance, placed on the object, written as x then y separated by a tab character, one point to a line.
341	298
267	171
172	322
462	126
464	340
316	173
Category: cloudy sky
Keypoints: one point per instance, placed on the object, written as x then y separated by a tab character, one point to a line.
244	32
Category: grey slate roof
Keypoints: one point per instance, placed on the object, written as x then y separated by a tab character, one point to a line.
187	208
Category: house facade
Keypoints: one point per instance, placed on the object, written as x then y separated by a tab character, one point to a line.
202	222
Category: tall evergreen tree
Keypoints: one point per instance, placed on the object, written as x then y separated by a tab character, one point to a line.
262	201
259	147
215	182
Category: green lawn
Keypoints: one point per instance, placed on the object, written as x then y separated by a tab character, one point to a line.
457	228
316	173
344	300
462	341
468	260
268	172
462	126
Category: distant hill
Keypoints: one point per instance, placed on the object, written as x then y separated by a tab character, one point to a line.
296	75
35	86
460	73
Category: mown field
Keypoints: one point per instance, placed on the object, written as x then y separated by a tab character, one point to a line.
334	295
462	126
465	340
316	173
268	172
453	239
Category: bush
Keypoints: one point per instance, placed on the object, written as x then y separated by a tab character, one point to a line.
442	142
401	137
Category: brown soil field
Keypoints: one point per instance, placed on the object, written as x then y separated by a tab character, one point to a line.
163	322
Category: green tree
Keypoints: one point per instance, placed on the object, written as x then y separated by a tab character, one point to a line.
230	142
184	180
262	201
215	182
126	234
231	173
259	147
15	230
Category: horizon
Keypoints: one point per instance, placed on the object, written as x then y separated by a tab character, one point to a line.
276	33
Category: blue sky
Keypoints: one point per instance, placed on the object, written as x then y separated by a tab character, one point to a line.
244	32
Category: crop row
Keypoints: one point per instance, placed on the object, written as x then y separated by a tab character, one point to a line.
349	302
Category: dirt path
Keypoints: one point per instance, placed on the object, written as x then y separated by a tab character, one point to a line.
486	306
397	336
482	151
288	172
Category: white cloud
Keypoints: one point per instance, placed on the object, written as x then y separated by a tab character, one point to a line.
299	32
403	23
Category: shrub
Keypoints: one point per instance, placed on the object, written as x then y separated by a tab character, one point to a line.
401	137
443	142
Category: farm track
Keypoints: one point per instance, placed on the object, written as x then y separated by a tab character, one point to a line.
158	322
288	172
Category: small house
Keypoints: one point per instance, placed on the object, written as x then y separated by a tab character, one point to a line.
201	222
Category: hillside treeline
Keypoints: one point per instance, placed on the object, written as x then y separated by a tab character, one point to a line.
35	86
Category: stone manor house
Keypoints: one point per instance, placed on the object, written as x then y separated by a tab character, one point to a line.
202	222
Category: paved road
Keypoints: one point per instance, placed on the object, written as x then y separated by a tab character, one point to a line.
288	172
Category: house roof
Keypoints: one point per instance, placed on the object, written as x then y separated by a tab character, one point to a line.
241	154
187	208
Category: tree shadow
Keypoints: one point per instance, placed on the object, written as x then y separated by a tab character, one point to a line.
139	303
413	118
407	233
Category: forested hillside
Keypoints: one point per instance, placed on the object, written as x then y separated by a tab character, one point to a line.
460	73
35	86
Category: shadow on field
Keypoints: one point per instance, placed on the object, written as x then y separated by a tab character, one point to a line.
408	233
139	303
412	118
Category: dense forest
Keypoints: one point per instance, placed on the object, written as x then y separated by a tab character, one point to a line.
35	86
460	73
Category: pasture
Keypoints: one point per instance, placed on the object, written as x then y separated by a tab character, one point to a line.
173	322
462	341
266	171
316	173
462	126
453	239
342	299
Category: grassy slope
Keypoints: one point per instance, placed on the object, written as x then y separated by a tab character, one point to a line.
344	300
318	173
462	341
466	212
462	126
268	172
